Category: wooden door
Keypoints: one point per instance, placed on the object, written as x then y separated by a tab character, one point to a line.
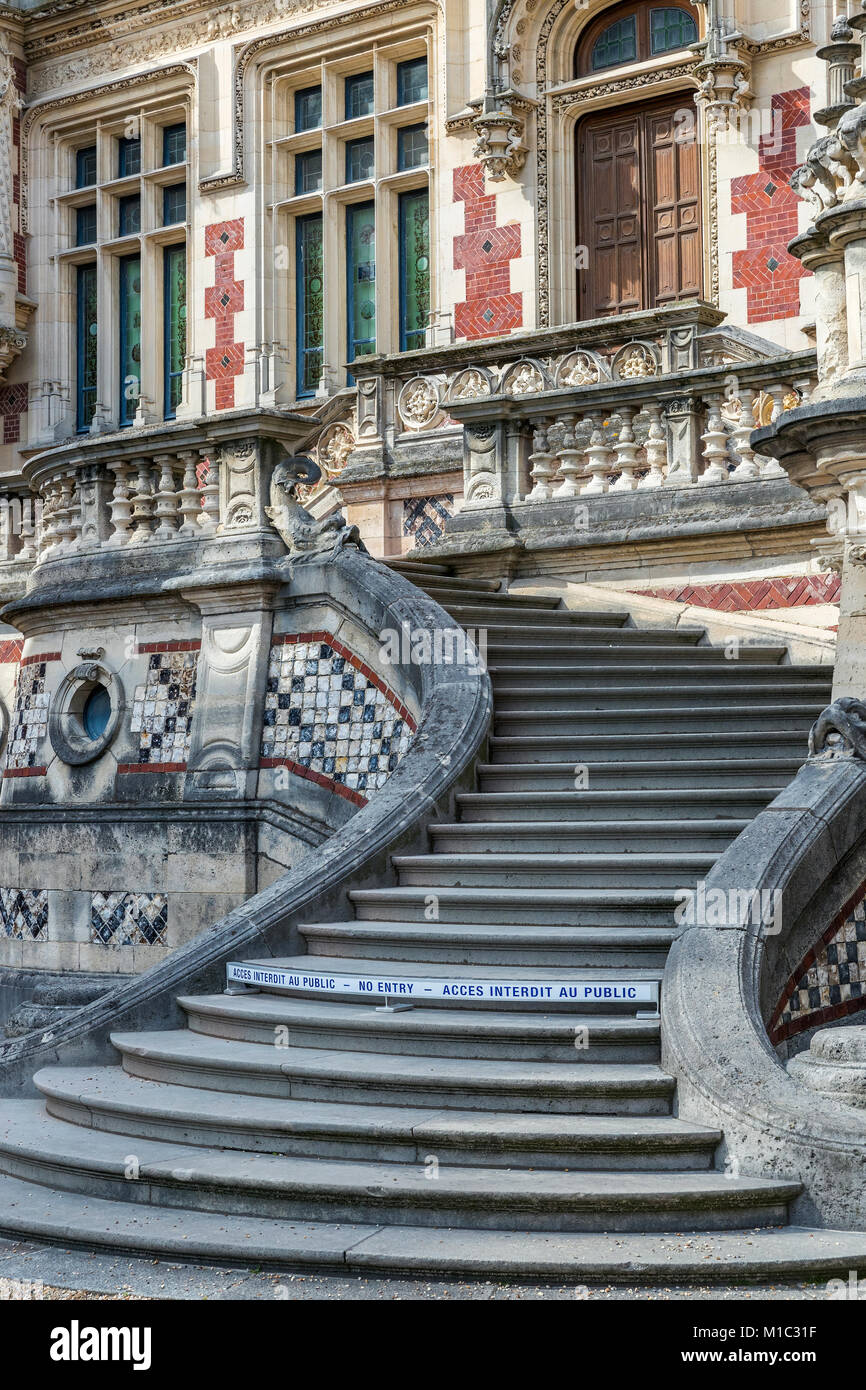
638	191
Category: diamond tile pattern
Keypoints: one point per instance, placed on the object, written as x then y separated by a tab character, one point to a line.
485	252
329	718
24	914
162	708
28	725
830	982
129	919
424	518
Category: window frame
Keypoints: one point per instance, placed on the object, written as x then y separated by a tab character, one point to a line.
349	82
83	421
353	210
302	391
169	375
402	69
404	332
167	132
125	417
585	48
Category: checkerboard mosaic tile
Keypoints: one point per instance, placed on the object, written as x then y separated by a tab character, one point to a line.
424	518
331	719
830	982
28	725
128	919
162	708
24	914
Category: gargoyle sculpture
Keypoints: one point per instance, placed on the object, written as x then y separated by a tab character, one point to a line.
304	536
841	728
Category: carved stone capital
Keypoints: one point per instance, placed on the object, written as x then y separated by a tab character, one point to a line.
500	129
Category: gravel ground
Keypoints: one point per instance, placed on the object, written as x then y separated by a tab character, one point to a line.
49	1272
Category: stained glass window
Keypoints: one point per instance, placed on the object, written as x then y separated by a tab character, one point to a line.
310	294
130	336
174	143
129	215
359	95
85	225
411	81
174	325
86	346
412	148
414	268
173	204
361	267
85	167
359	160
671	28
128	158
618	44
308	109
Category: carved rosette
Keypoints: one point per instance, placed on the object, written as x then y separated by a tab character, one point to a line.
634	361
471	383
524	378
335	445
581	369
418	404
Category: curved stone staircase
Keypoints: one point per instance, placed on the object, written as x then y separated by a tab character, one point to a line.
317	1132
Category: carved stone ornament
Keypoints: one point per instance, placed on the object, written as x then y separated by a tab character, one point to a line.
634	361
524	379
500	128
471	383
840	730
418	403
334	447
580	369
306	538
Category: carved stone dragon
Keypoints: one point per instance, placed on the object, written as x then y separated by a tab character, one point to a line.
841	728
305	537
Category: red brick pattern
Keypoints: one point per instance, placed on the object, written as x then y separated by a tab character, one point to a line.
772	277
225	298
151	767
25	771
752	595
39	656
484	252
13	404
188	644
10	650
319	778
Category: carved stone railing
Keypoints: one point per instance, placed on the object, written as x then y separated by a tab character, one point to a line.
130	491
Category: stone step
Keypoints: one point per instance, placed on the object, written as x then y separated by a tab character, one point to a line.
658	870
406	565
35	1146
634	747
32	1211
689	783
106	1098
437	1032
684	697
473	944
507	631
192	1059
678	671
511	613
572	835
657	719
571	656
665	807
586	907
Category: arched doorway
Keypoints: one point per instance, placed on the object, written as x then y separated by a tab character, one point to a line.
638	173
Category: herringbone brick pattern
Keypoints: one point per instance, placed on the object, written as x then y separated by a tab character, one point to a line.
750	595
484	252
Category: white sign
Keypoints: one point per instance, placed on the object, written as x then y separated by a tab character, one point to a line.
540	991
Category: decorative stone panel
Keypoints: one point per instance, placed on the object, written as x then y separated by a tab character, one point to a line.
830	981
330	718
28	725
24	914
162	708
765	269
128	919
424	518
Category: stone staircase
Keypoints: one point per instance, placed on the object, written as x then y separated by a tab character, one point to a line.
469	1138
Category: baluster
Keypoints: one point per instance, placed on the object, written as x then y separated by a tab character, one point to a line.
748	468
715	441
209	519
75	519
30	541
599	458
65	513
543	464
50	537
120	504
626	451
771	468
190	497
166	500
570	460
655	448
142	503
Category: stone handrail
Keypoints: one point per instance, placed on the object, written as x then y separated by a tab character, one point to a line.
722	983
454	704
